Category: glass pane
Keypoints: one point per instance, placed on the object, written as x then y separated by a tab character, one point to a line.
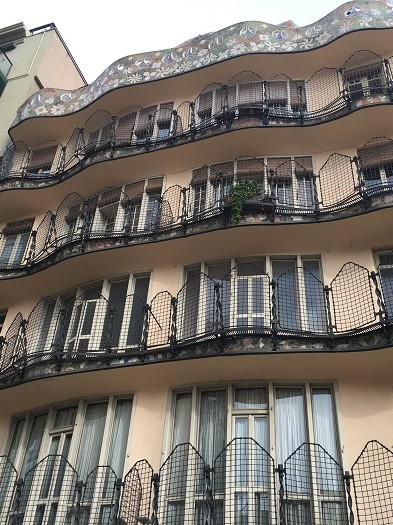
181	428
16	437
241	453
121	427
34	443
212	426
250	398
65	417
91	440
324	420
241	509
134	336
117	299
290	421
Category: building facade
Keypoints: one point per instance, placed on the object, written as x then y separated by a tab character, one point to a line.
196	284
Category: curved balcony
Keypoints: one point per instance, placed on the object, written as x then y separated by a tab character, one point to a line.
294	311
310	484
240	40
287	190
245	101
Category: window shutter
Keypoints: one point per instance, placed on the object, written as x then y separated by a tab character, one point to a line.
154	185
281	167
199	176
109	197
42	157
134	192
16	227
250	169
376	153
305	163
223	170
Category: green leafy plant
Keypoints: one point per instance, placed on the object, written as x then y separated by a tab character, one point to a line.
240	193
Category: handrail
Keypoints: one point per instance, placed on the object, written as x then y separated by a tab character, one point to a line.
145	496
279	101
93	223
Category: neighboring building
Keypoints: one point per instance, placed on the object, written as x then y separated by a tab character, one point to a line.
196	281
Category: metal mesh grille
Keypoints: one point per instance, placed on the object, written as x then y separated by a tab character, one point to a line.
42	326
44	160
373	474
8	478
97	132
160	319
44	239
300	301
171	206
13	348
337	181
322	102
98	503
13	160
48	492
71	150
352	298
136	499
244	485
363	74
67	220
314	487
181	497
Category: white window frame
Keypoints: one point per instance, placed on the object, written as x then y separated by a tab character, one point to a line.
13	256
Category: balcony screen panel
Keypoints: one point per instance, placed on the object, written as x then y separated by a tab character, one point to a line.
199	176
223	170
282	167
134	336
145	116
109	197
205	103
297	91
42	157
277	93
251	93
303	162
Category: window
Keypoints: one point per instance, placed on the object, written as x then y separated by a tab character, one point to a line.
237	295
142	205
211	185
85	434
376	163
108	314
41	160
364	81
13	244
292	182
385	269
262	419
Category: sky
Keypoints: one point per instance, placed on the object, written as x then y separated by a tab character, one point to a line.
98	33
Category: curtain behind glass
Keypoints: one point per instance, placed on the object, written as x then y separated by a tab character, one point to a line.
121	426
181	428
290	421
212	425
91	440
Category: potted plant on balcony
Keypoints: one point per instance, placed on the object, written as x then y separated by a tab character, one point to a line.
247	196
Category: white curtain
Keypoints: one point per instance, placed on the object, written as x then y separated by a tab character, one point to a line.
290	421
181	429
324	423
212	425
250	398
118	445
91	440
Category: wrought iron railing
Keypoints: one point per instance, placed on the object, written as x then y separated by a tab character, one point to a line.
243	485
121	216
245	302
246	100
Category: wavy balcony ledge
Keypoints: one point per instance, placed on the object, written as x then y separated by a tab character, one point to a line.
310	483
246	101
287	192
353	312
237	40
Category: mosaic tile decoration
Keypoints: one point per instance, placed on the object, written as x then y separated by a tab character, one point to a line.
239	39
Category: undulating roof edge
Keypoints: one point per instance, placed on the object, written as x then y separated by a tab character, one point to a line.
239	39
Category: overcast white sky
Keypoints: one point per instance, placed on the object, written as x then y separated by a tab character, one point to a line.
98	33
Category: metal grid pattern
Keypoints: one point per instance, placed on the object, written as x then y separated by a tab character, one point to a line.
300	301
181	493
8	479
244	484
364	76
244	300
314	487
160	319
67	218
135	506
99	499
13	348
47	493
372	484
245	96
376	163
352	298
42	326
385	271
338	182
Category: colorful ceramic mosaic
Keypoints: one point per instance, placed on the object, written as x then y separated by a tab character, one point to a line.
239	39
